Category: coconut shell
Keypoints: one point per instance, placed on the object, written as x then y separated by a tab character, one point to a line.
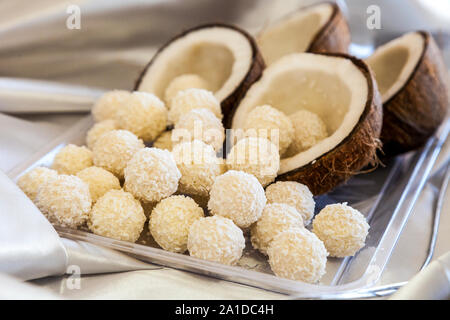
414	113
254	73
334	36
354	153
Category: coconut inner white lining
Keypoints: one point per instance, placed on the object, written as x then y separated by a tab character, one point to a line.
293	34
394	62
332	87
220	55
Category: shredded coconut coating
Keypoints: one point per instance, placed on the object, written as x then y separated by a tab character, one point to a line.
98	130
199	167
31	181
298	254
183	82
309	129
294	194
99	181
117	215
257	156
108	104
190	99
275	218
238	196
152	175
200	124
216	239
71	159
264	119
65	200
164	141
342	229
144	115
114	149
170	222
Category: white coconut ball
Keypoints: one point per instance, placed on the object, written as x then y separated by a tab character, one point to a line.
298	254
144	115
99	180
170	221
114	149
294	194
199	167
183	82
262	120
65	200
117	215
190	99
164	141
257	156
342	229
108	104
200	124
98	130
275	218
238	196
152	175
216	239
309	129
71	159
30	182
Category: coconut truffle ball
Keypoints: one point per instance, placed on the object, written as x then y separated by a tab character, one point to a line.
216	239
342	229
257	156
275	218
144	115
164	141
200	124
30	182
65	200
183	82
309	129
190	99
108	104
294	194
98	130
152	175
99	181
238	196
298	254
262	120
71	159
170	222
199	167
117	215
114	149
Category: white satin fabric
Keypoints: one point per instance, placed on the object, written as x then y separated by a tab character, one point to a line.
115	41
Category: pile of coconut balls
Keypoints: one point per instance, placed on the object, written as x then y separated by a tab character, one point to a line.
134	169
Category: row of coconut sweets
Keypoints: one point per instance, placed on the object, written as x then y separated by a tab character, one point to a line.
195	200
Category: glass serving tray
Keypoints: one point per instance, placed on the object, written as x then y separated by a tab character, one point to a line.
385	196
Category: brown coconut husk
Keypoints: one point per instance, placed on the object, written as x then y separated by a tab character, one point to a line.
334	36
354	153
414	113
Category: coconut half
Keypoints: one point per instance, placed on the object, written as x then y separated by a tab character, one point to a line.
318	28
338	88
412	79
225	56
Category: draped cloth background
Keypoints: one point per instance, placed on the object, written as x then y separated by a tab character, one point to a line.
116	40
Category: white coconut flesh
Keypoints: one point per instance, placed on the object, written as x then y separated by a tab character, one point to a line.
293	34
222	56
332	87
394	62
